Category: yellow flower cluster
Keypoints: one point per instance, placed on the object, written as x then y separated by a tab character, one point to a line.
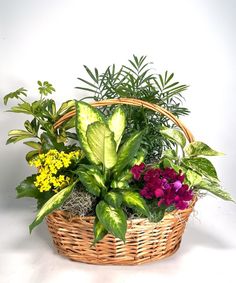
48	166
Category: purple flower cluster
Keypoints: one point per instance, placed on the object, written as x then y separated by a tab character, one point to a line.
165	185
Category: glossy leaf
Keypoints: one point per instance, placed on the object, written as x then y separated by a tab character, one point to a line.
89	182
136	202
127	152
113	198
174	135
193	178
199	148
86	115
16	94
99	231
27	188
52	204
101	142
31	154
113	219
33	144
202	166
215	189
117	124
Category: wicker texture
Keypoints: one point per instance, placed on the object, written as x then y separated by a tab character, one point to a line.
145	241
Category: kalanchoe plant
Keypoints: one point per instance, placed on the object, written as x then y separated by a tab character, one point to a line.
39	132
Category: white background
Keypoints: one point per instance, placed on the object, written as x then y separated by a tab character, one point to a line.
51	40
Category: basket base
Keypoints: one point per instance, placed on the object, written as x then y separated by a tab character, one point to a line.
114	261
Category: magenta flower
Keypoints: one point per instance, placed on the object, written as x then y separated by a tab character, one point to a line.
165	185
137	170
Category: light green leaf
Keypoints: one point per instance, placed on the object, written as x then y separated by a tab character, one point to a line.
140	156
117	123
94	172
24	107
136	202
113	198
31	154
89	182
174	135
86	115
101	142
127	152
120	185
52	204
66	106
193	178
197	148
16	94
169	164
99	231
202	166
113	219
170	154
215	189
33	144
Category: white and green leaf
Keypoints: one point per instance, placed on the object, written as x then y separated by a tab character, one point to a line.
101	142
193	178
117	124
215	188
202	166
113	219
113	198
197	148
52	204
174	135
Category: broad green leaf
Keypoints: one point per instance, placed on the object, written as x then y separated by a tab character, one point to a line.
126	175
117	123
157	215
15	139
99	231
202	166
113	219
127	152
86	115
101	142
169	164
19	133
24	107
135	201
52	204
193	178
27	188
89	182
139	158
197	148
113	198
174	135
16	94
94	172
33	144
215	189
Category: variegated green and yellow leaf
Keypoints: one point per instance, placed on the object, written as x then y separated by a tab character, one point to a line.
99	231
53	203
174	135
113	219
113	198
117	124
197	148
101	142
86	115
136	202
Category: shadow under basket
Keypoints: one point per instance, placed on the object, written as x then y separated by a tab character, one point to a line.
145	241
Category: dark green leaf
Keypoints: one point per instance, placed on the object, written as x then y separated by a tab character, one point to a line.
99	231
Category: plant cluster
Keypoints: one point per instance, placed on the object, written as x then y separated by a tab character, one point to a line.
138	80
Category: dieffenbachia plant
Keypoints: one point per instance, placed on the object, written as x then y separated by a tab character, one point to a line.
105	172
199	171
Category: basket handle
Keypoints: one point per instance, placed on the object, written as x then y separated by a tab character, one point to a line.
132	102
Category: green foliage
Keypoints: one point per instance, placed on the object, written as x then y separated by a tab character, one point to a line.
54	202
16	94
40	130
108	175
113	219
174	135
138	80
199	171
45	88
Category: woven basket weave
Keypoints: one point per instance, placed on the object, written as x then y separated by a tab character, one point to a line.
145	241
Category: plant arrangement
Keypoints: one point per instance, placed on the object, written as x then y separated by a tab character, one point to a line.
104	168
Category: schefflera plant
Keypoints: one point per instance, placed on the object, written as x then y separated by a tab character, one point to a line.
107	172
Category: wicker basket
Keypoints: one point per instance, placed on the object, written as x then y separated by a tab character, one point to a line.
145	241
